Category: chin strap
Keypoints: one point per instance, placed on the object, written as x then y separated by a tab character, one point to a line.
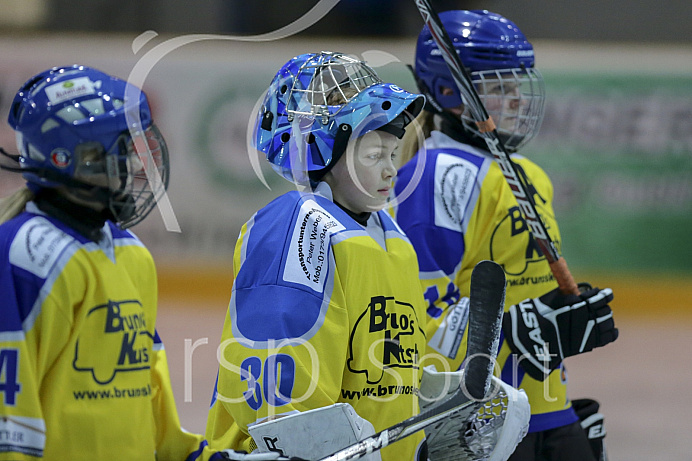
47	174
119	210
14	158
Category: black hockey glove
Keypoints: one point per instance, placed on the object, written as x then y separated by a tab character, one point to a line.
592	423
545	330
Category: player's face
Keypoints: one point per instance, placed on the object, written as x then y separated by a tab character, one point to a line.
91	170
362	177
503	102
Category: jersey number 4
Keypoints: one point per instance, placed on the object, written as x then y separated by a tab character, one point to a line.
9	363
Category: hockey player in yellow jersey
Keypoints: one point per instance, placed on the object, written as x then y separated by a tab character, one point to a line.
326	311
457	209
83	372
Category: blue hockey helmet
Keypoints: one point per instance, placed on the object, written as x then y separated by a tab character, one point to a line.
497	55
483	40
93	134
316	103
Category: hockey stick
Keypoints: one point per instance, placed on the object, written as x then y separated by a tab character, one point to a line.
485	316
487	127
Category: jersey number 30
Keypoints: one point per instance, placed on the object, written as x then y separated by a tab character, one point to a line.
277	380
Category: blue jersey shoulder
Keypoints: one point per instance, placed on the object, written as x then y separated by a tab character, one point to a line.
32	249
437	192
286	269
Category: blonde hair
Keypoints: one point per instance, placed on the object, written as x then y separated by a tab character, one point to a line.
416	132
14	204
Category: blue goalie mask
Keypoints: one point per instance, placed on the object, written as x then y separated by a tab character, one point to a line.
316	103
501	62
92	135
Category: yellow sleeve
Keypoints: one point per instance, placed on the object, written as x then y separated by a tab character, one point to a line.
25	358
22	427
172	441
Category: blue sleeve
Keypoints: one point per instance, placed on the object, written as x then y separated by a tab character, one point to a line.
19	286
286	276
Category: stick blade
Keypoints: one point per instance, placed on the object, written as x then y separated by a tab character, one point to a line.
486	306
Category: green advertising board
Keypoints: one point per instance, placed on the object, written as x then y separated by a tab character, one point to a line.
619	151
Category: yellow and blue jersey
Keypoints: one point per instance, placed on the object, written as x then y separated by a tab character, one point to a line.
83	373
457	209
320	312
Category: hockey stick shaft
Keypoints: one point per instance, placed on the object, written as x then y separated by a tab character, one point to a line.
486	126
405	428
485	317
486	306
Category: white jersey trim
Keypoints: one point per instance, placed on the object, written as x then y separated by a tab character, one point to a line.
23	435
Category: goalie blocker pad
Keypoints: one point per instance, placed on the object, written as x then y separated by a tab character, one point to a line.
313	434
491	434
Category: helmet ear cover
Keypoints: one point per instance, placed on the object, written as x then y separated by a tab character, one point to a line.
343	135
